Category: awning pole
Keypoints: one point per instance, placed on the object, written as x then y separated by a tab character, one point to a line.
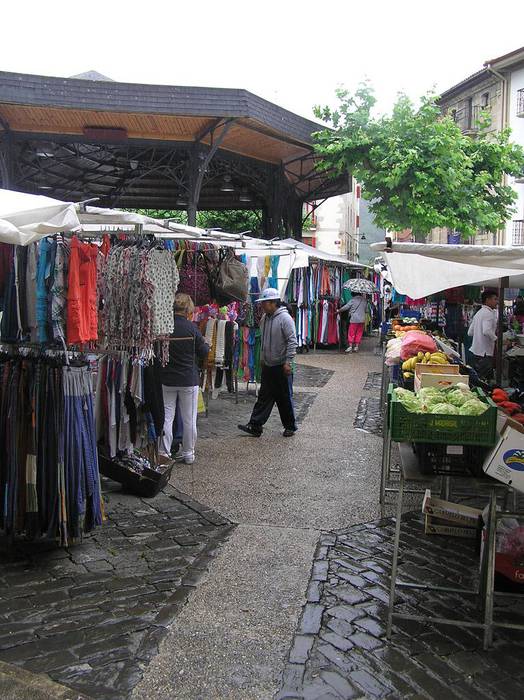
503	284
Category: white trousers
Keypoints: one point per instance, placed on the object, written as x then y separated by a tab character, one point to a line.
188	397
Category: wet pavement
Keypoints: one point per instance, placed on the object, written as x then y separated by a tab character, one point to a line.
340	650
173	599
92	616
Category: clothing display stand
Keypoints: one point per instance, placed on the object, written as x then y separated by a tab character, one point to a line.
409	472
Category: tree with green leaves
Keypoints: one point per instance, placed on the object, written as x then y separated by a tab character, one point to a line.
228	220
417	168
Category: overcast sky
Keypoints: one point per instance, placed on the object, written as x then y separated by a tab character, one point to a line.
293	52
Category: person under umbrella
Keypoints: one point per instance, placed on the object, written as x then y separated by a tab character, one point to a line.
357	307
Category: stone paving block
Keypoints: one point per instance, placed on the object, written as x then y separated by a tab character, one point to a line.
301	648
342	686
291	680
314	592
365	641
369	684
344	629
336	640
336	657
349	594
311	619
343	612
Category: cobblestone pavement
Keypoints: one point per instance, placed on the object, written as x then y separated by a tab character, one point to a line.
92	616
340	650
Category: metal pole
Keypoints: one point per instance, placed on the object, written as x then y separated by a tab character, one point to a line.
394	563
503	284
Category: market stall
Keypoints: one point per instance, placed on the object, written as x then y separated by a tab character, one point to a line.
449	425
87	314
317	289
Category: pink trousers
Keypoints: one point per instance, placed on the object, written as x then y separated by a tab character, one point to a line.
355	333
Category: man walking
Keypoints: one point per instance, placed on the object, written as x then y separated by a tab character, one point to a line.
278	348
483	330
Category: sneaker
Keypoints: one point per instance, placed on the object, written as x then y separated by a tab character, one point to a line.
350	349
188	460
355	349
250	430
288	432
179	457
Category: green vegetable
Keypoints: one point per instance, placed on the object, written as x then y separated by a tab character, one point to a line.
428	391
456	397
473	407
408	399
445	409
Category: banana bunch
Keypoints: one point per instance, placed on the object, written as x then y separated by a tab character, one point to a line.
428	358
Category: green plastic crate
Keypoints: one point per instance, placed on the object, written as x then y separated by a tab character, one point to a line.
441	429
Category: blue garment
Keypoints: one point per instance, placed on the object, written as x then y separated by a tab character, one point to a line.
42	275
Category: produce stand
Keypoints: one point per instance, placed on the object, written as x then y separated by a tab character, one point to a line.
444	446
485	592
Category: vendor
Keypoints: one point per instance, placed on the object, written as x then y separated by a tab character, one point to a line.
483	330
180	379
518	310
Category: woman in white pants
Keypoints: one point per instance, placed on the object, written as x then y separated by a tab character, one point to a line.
180	379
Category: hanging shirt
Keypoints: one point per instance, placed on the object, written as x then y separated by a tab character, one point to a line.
483	331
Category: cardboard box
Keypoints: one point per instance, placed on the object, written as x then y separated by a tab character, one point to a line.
437	526
506	461
509	548
450	512
421	370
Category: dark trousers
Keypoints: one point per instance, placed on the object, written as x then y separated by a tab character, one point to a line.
275	388
483	366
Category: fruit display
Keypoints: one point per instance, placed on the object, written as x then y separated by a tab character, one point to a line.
428	358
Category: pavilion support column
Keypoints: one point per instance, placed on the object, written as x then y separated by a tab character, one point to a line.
199	159
275	199
5	155
295	214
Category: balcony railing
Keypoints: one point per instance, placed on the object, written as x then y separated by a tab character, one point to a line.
520	103
518	232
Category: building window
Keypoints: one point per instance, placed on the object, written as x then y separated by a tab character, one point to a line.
484	100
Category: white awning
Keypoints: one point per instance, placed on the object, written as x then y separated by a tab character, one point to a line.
419	270
25	218
306	252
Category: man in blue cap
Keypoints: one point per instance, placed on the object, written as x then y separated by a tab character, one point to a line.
278	349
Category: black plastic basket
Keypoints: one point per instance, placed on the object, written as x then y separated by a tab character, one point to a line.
466	460
147	485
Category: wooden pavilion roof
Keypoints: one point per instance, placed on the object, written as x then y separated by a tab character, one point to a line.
96	127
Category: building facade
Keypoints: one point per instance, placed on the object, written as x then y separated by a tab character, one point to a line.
497	90
335	223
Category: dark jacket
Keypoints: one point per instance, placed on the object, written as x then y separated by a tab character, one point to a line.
182	369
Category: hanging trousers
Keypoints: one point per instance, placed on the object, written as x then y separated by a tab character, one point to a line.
275	388
355	333
188	404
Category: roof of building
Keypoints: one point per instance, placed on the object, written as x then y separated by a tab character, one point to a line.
42	93
92	75
502	62
470	81
508	59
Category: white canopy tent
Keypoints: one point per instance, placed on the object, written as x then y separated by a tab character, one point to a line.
419	269
306	252
25	218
